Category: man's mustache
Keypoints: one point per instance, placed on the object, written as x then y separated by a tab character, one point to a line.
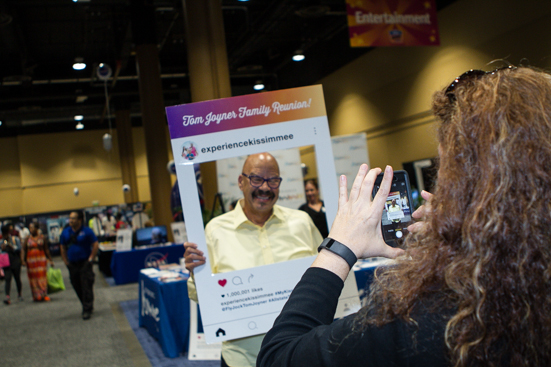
259	192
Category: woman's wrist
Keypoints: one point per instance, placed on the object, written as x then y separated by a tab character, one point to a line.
332	262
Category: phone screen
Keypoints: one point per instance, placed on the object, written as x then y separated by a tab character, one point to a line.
398	208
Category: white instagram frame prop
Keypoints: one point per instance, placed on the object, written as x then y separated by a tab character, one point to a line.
246	302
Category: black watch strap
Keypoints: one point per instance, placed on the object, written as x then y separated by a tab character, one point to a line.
338	248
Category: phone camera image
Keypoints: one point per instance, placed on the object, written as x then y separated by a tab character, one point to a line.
397	211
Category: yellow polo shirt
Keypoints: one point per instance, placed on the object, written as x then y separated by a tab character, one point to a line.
235	243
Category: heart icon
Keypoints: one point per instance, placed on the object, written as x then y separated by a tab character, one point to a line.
222	282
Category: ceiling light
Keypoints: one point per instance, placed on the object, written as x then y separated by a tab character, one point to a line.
79	64
78	117
298	56
259	85
79	126
0	123
81	1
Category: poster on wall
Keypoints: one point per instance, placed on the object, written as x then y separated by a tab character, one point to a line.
350	152
373	23
55	226
245	302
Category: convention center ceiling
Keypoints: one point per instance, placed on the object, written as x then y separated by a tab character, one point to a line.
41	40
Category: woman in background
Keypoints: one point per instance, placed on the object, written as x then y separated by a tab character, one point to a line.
10	245
35	254
314	206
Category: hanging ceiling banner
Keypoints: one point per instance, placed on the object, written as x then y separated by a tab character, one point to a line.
392	23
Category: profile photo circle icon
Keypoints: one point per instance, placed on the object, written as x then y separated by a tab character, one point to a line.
189	151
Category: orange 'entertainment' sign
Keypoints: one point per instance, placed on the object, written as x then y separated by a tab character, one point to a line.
392	23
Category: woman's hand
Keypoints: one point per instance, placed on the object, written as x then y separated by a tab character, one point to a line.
421	213
358	221
193	257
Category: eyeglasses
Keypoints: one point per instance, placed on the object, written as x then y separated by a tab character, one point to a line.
257	181
468	75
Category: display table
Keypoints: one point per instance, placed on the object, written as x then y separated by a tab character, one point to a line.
105	253
126	265
164	312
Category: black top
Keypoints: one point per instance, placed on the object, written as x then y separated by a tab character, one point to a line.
318	218
13	249
304	334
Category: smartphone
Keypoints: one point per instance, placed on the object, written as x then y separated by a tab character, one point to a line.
398	208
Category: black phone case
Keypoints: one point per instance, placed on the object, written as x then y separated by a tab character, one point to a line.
399	176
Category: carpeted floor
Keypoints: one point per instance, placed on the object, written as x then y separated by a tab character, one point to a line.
150	345
45	334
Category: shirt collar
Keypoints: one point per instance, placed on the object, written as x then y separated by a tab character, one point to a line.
240	217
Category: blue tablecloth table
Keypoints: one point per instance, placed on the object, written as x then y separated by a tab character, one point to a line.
164	312
126	265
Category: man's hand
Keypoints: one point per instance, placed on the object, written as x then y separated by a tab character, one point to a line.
193	257
421	213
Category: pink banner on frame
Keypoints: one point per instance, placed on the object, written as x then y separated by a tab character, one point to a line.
245	111
392	23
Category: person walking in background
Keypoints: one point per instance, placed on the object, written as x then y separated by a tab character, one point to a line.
35	254
314	206
11	246
79	246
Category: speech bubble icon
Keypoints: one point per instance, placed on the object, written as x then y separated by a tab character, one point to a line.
237	281
252	325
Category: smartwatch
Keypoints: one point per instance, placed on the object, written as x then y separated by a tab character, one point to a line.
338	248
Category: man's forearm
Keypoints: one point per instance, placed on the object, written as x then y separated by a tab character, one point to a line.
95	248
63	254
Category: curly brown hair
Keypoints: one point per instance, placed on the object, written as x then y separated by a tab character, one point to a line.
485	250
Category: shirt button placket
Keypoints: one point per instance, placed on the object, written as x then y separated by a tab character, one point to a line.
265	246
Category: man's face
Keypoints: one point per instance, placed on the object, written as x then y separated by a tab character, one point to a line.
393	202
74	222
259	200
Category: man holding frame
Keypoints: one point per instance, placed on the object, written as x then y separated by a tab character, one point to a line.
257	232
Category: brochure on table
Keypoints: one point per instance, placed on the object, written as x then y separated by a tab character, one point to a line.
246	302
179	232
124	240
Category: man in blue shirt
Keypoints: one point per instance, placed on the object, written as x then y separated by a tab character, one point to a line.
79	246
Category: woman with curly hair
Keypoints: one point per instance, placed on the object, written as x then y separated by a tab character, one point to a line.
473	286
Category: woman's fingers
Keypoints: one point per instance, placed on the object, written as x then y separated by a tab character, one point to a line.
343	192
415	227
384	189
426	195
356	186
419	213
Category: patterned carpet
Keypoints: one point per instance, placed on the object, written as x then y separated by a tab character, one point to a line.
152	347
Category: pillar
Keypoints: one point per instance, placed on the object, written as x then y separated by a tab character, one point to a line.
126	154
152	107
208	67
